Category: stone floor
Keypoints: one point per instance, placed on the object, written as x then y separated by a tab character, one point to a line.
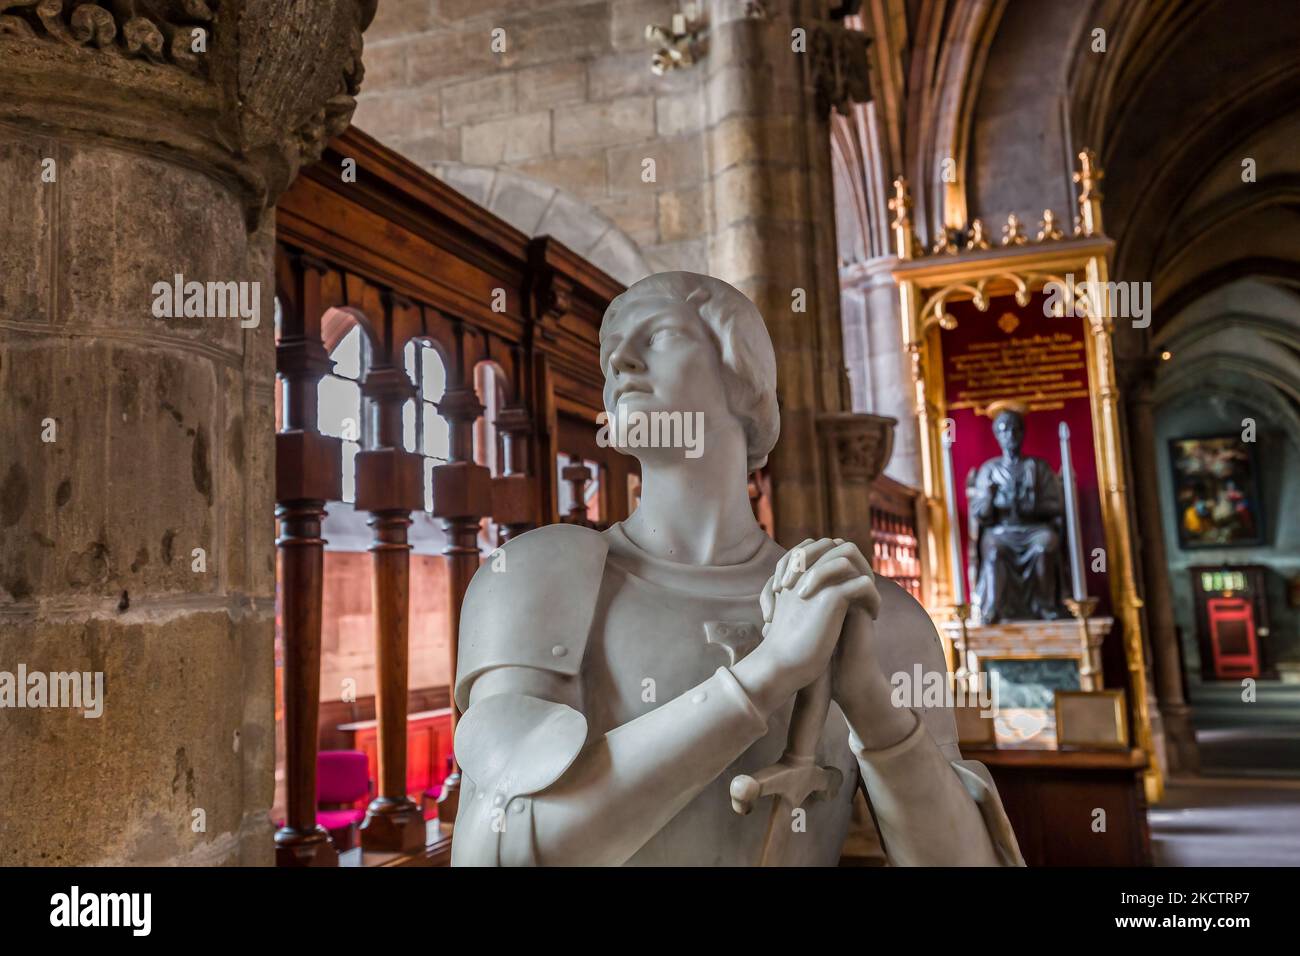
1244	808
1223	822
1257	739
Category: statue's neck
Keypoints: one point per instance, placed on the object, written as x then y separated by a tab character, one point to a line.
696	511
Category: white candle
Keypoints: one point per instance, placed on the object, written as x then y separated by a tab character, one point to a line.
954	532
1078	583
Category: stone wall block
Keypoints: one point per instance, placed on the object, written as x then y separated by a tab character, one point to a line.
634	213
507	140
775	140
544	36
683	214
581	174
604	124
164	746
179	223
392	116
26	201
679	164
132	429
553	84
478	99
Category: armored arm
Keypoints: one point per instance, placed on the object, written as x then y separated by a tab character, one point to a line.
933	807
538	786
537	791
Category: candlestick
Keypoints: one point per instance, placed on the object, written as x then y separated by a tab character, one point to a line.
1078	588
954	533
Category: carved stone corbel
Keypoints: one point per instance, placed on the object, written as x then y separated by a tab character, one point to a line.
855	448
841	70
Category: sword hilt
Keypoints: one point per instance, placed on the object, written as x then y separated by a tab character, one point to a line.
796	775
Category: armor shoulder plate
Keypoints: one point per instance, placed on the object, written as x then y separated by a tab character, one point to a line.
906	639
531	605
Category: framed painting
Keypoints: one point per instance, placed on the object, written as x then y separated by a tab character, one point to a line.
1216	494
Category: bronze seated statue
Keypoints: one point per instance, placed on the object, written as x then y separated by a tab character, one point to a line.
1016	530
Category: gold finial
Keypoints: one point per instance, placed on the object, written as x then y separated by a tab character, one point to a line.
977	240
908	246
1089	178
945	245
1050	230
1011	234
901	203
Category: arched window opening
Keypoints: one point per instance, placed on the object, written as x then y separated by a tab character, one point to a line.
340	405
489	450
426	431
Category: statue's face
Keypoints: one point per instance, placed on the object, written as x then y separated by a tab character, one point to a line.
658	356
1009	429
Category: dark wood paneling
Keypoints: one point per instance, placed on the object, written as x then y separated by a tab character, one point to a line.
1051	798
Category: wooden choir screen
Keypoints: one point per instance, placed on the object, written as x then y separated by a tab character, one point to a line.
410	259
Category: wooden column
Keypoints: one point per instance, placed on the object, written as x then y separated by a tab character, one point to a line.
462	495
513	491
308	468
578	476
389	487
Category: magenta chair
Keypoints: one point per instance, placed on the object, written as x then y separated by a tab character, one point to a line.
429	799
342	778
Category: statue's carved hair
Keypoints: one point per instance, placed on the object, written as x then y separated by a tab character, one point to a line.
744	347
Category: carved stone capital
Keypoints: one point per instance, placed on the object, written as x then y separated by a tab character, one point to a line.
855	449
857	445
250	90
840	67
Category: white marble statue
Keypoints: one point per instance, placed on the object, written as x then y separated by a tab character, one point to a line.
627	694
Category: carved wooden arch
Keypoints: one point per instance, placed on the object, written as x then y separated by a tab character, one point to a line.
447	334
338	321
1022	286
504	357
500	380
306	284
438	348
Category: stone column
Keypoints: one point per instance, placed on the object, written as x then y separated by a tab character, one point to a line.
881	365
139	143
1166	659
773	72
